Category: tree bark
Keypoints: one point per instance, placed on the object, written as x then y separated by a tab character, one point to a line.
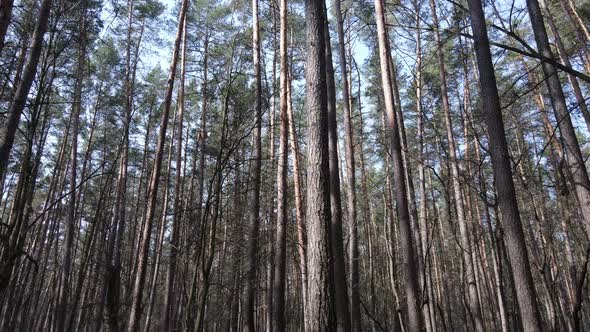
408	254
174	243
581	102
299	213
319	306
280	277
572	153
353	251
428	298
146	232
515	241
70	222
10	126
474	308
254	206
338	273
113	278
202	137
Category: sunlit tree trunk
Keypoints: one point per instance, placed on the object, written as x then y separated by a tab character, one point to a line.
338	273
146	231
428	296
202	139
174	243
353	250
10	126
563	55
70	222
572	153
159	241
254	206
408	254
510	218
299	213
319	307
279	279
464	227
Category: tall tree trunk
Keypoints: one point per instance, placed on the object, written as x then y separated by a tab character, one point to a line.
366	205
319	306
214	202
338	273
279	279
515	241
146	232
266	316
10	126
90	235
580	31
428	298
353	251
497	270
578	23
191	307
415	321
299	213
141	194
19	217
70	222
404	144
254	206
573	155
17	220
113	278
170	277
464	227
159	241
581	102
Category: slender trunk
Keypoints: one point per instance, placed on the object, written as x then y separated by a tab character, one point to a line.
581	102
170	282
254	206
10	125
581	40
366	205
353	251
113	277
404	144
191	310
214	202
267	298
427	298
279	279
17	221
90	236
141	194
146	232
319	306
336	236
573	155
70	222
507	203
415	321
464	228
160	235
299	213
579	26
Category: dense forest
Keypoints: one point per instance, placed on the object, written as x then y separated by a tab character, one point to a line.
304	165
